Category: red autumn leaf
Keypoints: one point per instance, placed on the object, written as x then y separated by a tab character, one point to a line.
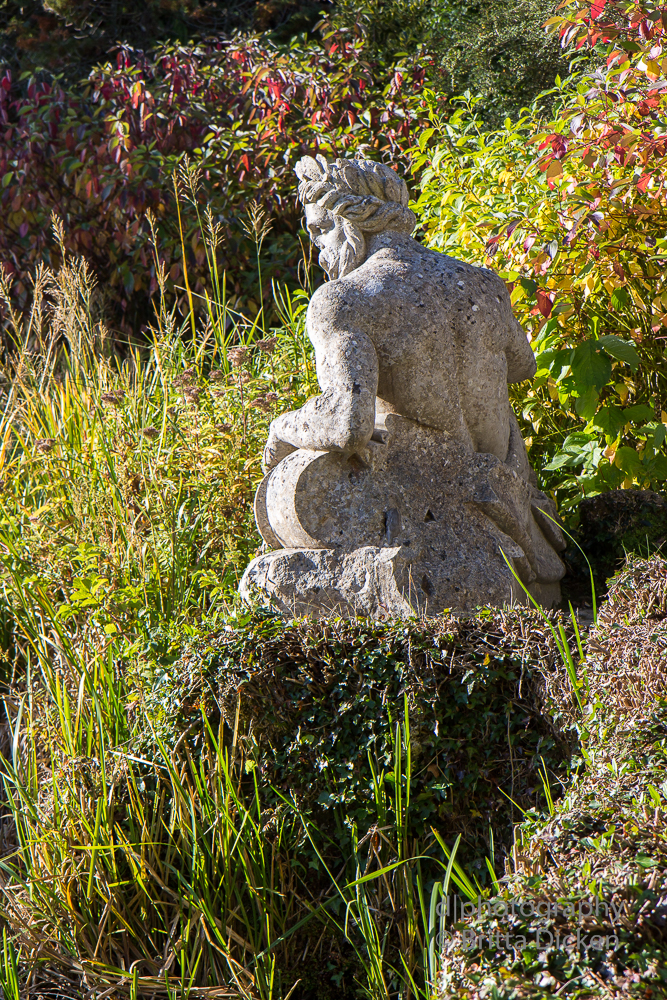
645	31
544	302
643	182
546	142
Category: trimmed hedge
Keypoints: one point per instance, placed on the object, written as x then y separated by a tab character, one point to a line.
316	706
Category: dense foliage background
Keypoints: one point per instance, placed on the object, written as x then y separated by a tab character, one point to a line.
570	207
96	117
565	198
153	293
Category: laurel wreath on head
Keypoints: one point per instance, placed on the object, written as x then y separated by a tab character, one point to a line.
367	194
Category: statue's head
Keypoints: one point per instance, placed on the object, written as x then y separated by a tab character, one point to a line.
346	199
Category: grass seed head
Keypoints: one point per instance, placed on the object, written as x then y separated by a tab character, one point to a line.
238	356
113	398
45	445
267	346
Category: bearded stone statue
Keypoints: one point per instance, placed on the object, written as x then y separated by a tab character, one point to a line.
405	485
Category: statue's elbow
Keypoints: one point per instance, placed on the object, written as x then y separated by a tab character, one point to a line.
355	422
524	370
356	441
353	438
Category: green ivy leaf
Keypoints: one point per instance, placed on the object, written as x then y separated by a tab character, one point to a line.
587	403
559	461
629	461
610	420
553	361
528	285
619	298
638	412
645	862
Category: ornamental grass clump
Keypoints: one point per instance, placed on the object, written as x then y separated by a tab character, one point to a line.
127	482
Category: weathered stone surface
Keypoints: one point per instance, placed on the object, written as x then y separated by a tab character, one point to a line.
368	582
320	582
414	521
412	446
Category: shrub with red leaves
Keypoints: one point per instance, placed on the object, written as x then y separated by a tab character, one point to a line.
102	155
571	208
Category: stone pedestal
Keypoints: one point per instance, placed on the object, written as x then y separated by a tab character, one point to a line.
415	523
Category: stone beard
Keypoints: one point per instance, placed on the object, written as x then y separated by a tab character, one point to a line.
349	256
405	485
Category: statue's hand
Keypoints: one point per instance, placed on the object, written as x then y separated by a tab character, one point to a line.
275	449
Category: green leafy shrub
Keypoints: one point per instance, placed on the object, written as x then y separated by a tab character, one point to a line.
496	50
315	706
571	210
611	526
231	804
603	840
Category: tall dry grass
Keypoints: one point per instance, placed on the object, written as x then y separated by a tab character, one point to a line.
128	483
126	488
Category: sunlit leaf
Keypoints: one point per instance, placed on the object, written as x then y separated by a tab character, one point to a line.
622	350
590	367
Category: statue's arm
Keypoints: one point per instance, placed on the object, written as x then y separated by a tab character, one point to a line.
520	358
342	418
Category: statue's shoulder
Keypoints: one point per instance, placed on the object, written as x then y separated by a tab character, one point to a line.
355	288
472	278
398	260
456	268
334	303
333	294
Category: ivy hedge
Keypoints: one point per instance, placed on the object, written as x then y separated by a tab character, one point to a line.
320	712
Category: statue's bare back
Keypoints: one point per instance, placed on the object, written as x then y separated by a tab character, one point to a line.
414	332
435	340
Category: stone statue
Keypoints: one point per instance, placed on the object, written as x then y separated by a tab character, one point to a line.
405	486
